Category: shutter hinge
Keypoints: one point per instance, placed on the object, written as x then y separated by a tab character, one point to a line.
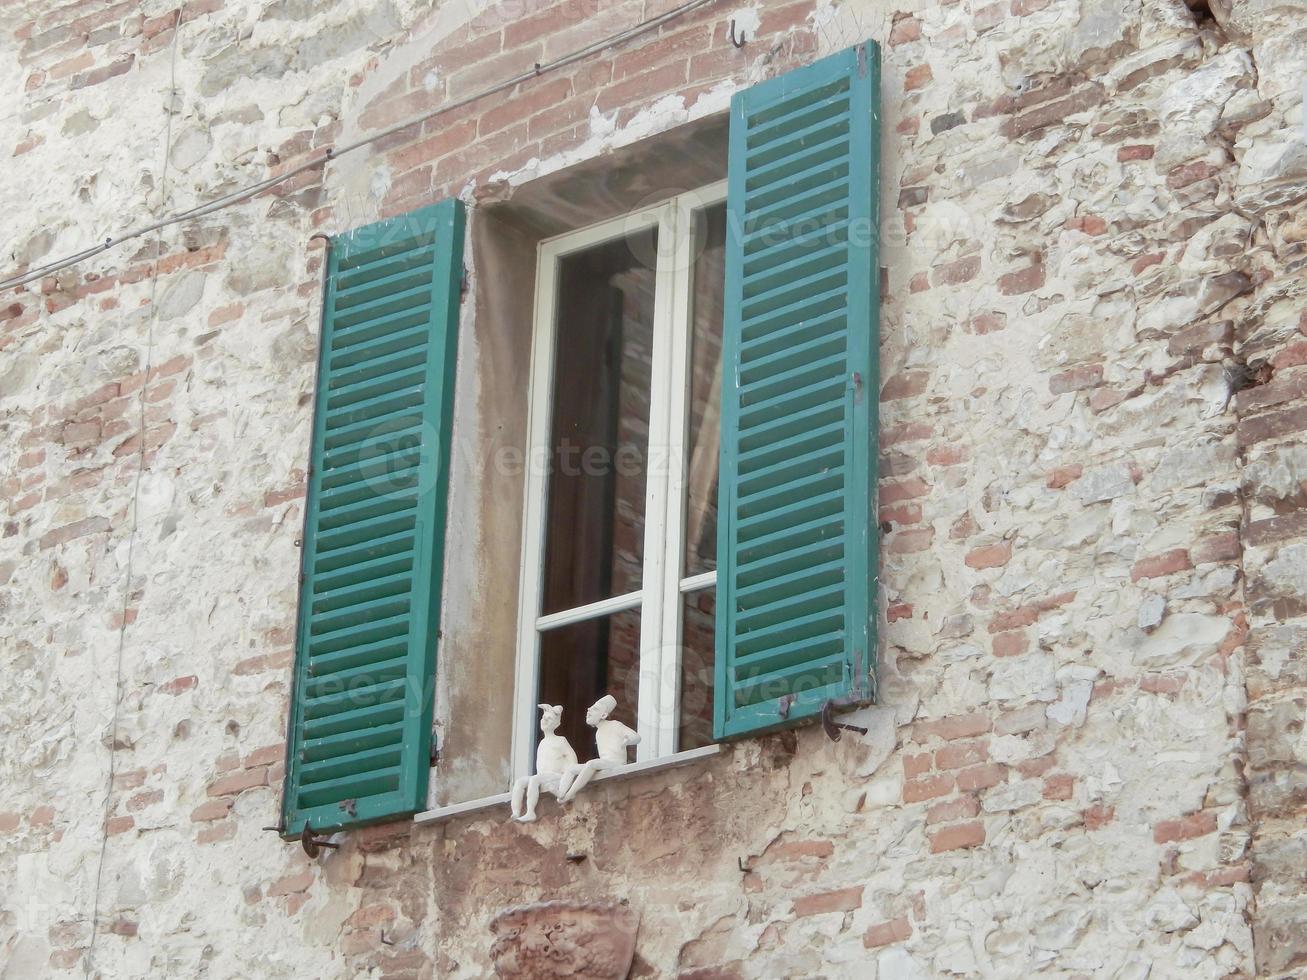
783	707
311	844
862	61
832	727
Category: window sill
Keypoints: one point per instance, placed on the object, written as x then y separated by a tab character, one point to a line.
634	769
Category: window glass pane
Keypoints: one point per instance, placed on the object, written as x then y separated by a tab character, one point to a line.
698	619
581	663
594	543
705	374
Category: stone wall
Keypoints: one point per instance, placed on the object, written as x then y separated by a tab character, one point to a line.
1090	757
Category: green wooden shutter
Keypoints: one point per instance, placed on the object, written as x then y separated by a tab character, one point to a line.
359	739
797	530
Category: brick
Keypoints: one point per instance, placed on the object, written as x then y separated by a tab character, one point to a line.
903	514
798	850
917	77
80	434
1186	828
147	799
1128	154
211	810
1189	173
100	75
216	833
957	836
907	384
1192	340
981	777
1089	224
1101	399
958	808
990	556
643	88
119	825
1064	475
1162	683
950	454
1011	644
226	314
988	17
1023	280
292	884
917	764
1052	113
839	900
987	323
1076	379
70	532
1216	547
905	432
238	782
42	816
70	66
1145	261
1274	529
371	916
1029	614
1059	787
909	489
266	756
911	541
899	610
1271	426
955	273
1291	356
954	726
179	684
1289	388
904	31
884	933
958	755
124	927
1157	566
918	790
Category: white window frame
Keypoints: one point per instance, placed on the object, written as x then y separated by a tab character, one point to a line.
659	599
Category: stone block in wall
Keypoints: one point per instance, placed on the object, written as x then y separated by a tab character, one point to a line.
1277	756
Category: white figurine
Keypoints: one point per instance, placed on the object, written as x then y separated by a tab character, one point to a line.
611	739
554	757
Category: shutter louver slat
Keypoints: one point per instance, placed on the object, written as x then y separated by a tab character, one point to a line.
359	733
797	531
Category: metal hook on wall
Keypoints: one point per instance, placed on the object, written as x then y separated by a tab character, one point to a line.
741	40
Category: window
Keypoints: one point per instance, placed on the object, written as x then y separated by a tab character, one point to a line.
620	535
698	506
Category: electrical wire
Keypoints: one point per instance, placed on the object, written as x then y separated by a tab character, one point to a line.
331	153
136	523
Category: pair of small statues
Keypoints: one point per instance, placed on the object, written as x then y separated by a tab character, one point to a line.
557	770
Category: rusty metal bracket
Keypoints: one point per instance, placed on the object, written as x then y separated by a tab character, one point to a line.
312	844
832	727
